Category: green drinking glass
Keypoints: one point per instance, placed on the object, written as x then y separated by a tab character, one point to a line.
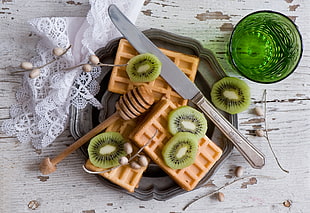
265	46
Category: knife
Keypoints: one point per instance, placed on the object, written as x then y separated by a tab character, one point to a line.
185	88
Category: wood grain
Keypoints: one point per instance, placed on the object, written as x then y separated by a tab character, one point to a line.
70	189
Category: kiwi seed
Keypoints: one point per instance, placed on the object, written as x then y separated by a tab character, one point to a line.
181	150
231	95
187	119
143	68
106	149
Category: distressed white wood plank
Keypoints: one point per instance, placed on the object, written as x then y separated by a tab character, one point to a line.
72	190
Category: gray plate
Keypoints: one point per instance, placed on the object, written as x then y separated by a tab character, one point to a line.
155	184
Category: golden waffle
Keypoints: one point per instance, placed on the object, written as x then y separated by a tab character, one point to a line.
120	82
124	176
187	178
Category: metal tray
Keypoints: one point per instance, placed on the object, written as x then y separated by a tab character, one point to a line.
155	184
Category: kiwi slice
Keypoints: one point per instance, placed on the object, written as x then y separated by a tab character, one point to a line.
187	119
143	68
106	149
181	150
231	95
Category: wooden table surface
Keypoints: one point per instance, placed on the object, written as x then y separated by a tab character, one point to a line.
70	189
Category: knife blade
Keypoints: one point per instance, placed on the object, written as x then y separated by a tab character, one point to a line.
185	88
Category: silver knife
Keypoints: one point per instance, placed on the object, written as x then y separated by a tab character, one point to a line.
185	88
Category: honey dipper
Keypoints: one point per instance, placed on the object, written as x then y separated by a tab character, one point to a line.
131	105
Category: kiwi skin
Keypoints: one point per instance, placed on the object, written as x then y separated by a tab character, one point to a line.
231	95
184	144
143	68
187	119
104	142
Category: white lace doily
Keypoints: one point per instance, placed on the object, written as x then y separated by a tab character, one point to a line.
41	112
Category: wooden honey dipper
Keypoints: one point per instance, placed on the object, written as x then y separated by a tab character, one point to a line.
132	104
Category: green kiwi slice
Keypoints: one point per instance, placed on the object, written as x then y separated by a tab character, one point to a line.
143	68
187	119
106	149
181	150
231	95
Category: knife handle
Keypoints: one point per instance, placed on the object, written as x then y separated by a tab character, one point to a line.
255	158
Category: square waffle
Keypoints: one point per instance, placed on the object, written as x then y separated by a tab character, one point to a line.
120	82
187	178
124	176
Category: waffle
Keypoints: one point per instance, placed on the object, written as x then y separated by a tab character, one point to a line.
187	178
124	176
120	82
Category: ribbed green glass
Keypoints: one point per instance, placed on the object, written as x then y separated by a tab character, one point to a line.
265	47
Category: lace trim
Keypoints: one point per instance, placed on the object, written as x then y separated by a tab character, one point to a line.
41	112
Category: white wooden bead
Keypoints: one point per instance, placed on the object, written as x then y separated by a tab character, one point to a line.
258	111
94	59
123	160
135	165
239	171
58	51
87	67
142	160
34	73
128	148
259	132
26	65
220	196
